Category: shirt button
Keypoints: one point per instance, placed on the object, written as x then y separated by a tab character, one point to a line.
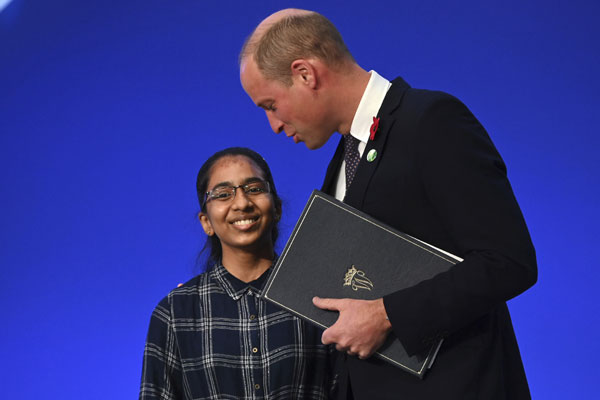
256	386
253	316
255	350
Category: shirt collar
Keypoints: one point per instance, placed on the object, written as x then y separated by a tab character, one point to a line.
236	288
369	106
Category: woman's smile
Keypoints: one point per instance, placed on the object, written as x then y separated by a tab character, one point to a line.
246	223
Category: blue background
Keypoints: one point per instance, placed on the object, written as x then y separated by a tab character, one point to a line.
108	109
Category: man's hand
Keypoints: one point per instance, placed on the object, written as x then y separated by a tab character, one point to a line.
361	327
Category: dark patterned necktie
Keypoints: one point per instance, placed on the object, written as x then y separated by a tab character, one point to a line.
351	157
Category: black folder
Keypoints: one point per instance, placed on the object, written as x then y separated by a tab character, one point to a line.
337	251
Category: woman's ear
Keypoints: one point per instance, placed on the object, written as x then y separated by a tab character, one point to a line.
278	212
206	225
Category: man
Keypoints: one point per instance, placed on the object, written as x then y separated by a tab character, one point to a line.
428	168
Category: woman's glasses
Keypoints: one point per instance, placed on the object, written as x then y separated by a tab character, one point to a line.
227	193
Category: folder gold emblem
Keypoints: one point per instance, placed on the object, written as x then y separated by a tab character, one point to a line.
357	279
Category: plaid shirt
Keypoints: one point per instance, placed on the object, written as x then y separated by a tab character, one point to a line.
212	338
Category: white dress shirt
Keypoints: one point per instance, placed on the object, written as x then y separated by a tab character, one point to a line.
369	106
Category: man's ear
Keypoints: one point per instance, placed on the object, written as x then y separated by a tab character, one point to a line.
304	72
206	225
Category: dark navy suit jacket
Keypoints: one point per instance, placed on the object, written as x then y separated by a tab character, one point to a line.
439	178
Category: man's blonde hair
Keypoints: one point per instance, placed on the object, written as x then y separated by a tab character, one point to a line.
293	37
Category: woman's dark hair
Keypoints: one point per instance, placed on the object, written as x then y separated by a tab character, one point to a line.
213	244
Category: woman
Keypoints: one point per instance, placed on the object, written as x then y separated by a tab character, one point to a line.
213	338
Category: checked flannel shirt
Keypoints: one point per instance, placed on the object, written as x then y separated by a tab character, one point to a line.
213	338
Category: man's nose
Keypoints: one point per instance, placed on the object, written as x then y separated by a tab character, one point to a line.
275	123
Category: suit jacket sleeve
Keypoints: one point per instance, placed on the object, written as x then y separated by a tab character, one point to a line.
465	181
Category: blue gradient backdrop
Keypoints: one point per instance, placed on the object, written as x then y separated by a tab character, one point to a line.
108	108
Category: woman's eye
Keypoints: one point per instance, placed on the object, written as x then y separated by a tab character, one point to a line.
221	195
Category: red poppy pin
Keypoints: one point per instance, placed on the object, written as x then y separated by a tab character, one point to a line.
374	128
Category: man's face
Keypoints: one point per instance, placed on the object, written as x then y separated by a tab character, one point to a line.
296	109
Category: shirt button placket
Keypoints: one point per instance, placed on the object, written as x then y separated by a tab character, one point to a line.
257	371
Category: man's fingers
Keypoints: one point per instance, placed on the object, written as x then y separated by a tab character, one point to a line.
363	355
327	337
327	304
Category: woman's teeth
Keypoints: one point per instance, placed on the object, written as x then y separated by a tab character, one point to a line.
244	222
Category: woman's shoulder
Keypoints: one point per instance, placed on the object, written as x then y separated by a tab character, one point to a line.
198	285
196	281
191	286
185	295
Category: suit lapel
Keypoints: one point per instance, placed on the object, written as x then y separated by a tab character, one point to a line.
332	169
360	185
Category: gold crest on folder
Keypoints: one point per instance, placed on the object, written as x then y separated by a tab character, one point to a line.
357	279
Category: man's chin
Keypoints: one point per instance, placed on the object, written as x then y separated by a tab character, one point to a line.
313	146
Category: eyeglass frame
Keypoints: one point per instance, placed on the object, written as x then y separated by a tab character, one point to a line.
207	195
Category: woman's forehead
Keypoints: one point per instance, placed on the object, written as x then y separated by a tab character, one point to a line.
232	168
